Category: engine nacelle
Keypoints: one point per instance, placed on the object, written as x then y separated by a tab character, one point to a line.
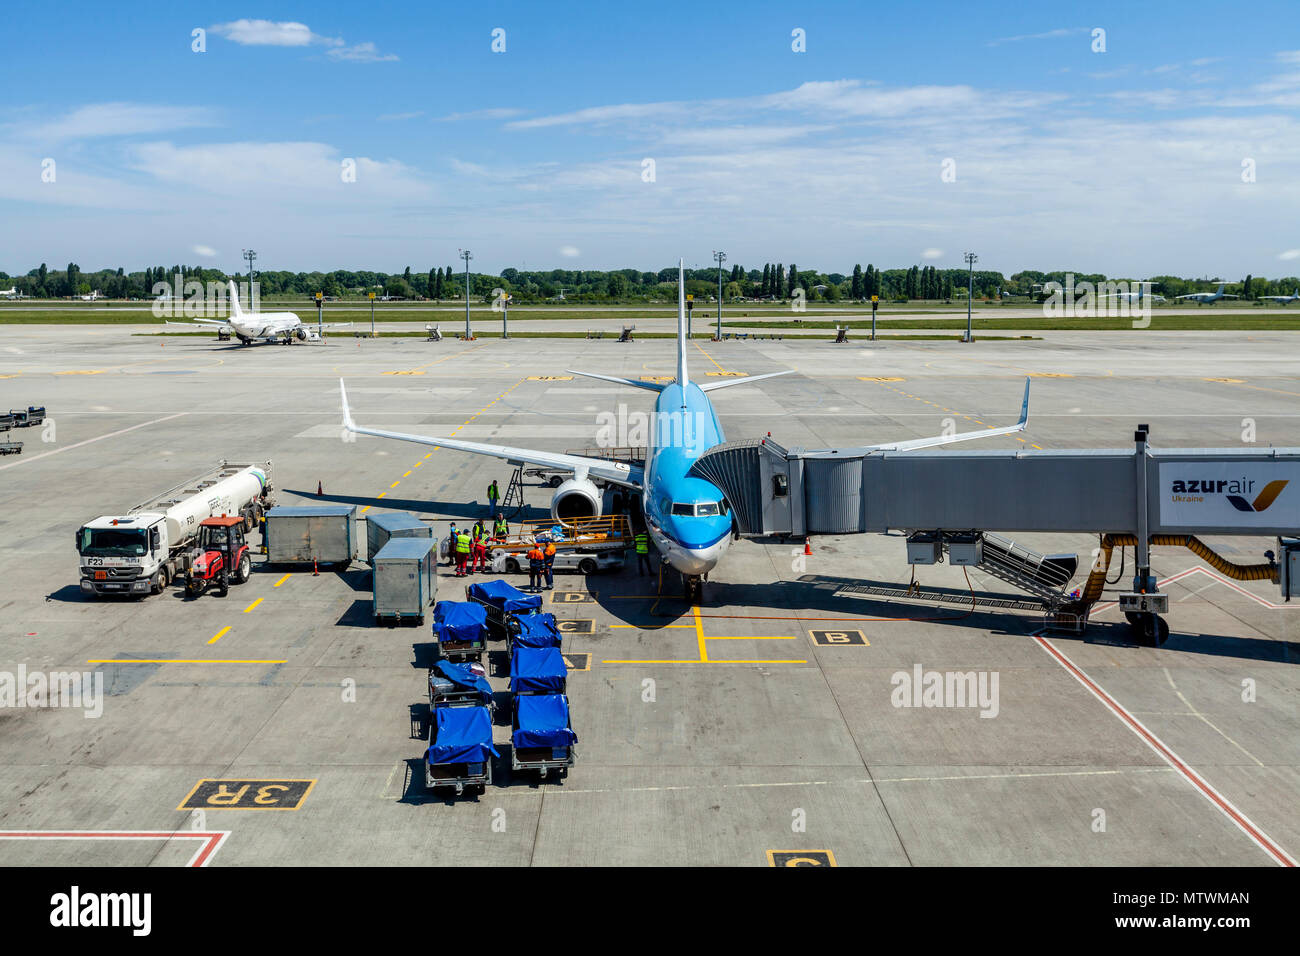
576	499
303	334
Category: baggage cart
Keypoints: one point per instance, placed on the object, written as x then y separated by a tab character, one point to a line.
459	752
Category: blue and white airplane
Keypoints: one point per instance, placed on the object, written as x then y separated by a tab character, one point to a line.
687	517
1279	299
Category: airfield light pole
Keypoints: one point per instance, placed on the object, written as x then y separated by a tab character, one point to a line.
372	314
971	259
465	254
721	257
250	255
505	315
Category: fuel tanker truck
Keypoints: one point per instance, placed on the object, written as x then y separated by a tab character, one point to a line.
153	544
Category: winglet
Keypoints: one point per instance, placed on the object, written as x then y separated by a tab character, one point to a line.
1024	407
348	423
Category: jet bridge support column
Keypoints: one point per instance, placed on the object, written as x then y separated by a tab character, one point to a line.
1145	603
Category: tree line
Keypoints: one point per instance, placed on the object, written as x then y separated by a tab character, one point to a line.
774	281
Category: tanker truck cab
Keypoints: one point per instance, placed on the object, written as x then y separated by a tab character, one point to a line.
125	555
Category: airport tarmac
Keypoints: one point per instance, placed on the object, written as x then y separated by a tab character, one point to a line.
712	735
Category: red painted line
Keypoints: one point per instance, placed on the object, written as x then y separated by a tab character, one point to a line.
1155	743
212	840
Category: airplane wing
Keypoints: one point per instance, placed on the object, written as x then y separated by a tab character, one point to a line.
728	382
582	467
914	443
635	383
201	322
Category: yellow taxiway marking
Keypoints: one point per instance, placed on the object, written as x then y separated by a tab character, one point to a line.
407	475
701	642
430	455
220	634
282	580
396	483
1256	388
251	606
699	633
365	509
82	371
651	628
754	637
416	465
381	494
179	660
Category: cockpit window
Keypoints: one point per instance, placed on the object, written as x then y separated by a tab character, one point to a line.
680	508
707	508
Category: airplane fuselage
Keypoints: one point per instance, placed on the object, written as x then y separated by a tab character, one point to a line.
685	515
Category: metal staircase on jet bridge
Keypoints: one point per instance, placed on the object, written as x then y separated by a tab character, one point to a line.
1044	575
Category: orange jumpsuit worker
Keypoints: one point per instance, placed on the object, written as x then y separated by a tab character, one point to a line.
548	561
535	558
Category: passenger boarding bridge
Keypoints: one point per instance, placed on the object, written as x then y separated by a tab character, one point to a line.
959	505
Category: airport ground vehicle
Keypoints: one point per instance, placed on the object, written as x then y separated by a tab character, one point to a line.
542	735
223	557
9	447
145	549
584	545
461	630
501	602
459	752
403	582
459	685
538	670
578	561
312	534
27	417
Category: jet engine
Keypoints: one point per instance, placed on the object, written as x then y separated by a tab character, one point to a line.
576	498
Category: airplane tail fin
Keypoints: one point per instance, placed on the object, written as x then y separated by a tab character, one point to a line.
682	377
235	311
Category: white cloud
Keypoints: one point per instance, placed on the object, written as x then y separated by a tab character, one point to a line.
271	33
116	119
206	251
932	254
361	53
570	252
1289	255
504	112
1048	35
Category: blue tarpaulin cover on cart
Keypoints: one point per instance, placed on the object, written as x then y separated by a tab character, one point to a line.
462	676
542	720
537	670
505	596
458	621
536	630
461	735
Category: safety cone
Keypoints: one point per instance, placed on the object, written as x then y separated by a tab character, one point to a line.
807	546
315	568
319	490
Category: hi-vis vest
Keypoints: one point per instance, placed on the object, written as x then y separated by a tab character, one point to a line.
462	543
492	493
501	528
642	543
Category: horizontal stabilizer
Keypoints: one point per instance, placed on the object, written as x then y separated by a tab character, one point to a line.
728	382
635	383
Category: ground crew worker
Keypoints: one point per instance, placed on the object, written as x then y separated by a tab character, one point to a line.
493	495
451	545
462	552
480	553
548	562
500	528
643	554
535	559
478	530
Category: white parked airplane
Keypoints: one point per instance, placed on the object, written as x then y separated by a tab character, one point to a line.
1134	298
10	293
1283	299
1209	298
686	516
250	327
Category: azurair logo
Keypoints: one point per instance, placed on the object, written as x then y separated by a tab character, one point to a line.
1234	490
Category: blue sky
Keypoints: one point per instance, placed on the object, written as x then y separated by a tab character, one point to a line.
1128	161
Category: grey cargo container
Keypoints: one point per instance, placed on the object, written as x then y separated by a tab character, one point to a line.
397	524
325	534
405	582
